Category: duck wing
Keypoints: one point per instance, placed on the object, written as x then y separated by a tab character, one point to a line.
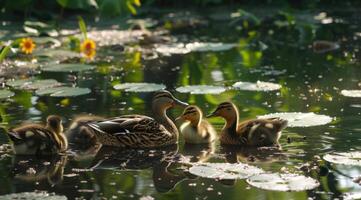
131	131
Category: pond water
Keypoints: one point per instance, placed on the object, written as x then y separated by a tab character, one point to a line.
275	51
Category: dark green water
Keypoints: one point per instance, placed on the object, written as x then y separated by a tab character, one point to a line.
311	83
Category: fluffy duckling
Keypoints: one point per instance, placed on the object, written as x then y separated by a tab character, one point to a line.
36	139
255	132
195	129
78	134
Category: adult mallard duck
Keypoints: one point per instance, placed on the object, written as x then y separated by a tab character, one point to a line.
195	129
36	139
140	131
255	132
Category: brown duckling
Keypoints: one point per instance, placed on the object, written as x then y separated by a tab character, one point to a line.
195	129
140	131
36	139
77	134
255	132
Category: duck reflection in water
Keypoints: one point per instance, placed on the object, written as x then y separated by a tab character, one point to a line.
160	160
48	169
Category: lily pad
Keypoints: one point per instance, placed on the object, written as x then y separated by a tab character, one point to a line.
258	86
32	84
57	53
67	67
33	196
298	119
172	49
283	182
4	94
139	87
63	91
346	158
201	89
352	195
224	171
208	46
351	93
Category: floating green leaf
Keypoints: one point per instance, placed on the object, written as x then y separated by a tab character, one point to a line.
224	170
298	119
4	94
67	67
172	49
208	46
139	87
283	182
56	54
31	84
346	158
33	195
258	86
351	93
201	89
63	91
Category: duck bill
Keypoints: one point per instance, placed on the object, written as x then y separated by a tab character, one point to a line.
214	114
179	103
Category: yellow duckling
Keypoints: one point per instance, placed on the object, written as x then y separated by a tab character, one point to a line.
195	129
255	132
140	131
36	139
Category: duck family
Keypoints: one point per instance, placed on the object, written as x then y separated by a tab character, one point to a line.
141	131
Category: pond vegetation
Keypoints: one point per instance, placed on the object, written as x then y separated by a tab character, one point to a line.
95	59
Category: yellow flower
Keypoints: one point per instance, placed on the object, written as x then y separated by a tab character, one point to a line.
87	48
27	45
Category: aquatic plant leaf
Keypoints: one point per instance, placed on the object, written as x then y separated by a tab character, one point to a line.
201	89
345	158
57	54
172	49
63	91
351	93
209	46
4	94
67	67
258	86
283	182
33	195
31	84
224	170
298	119
352	195
139	87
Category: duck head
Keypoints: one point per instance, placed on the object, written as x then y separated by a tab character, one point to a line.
192	114
226	110
162	100
54	122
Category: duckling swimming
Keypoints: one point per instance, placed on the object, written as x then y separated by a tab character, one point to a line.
36	139
255	132
195	129
140	131
78	134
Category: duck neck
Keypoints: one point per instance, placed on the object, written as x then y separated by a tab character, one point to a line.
160	114
196	122
58	131
232	122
